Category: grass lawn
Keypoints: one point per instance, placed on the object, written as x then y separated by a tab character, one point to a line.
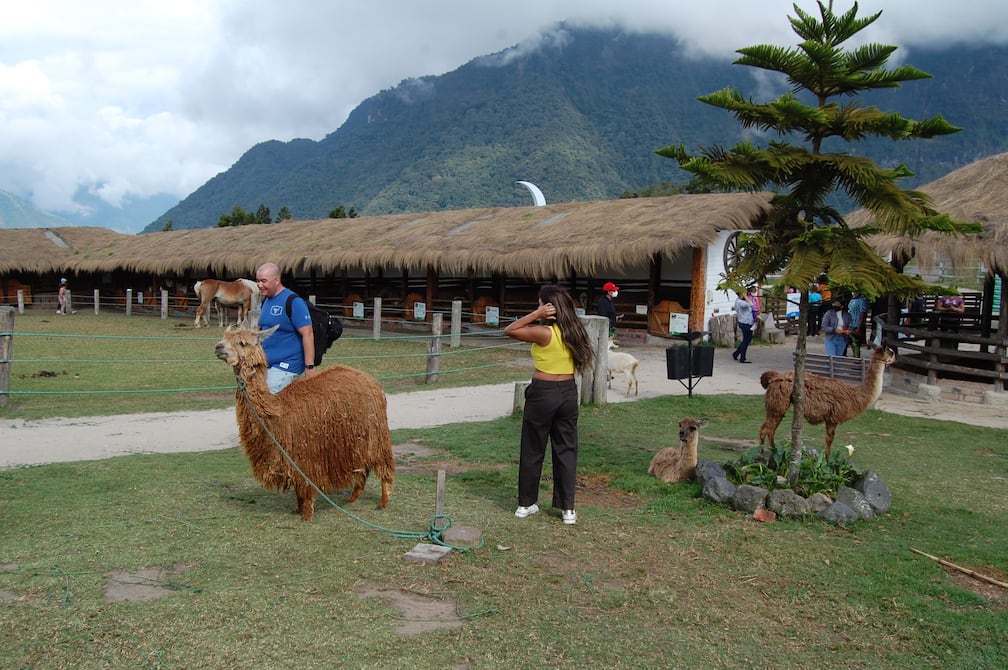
652	576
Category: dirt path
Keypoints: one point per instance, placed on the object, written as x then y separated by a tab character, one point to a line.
56	440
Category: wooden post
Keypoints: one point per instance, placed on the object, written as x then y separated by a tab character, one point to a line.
698	289
376	326
595	381
456	324
96	302
6	339
164	303
20	295
129	302
434	349
439	497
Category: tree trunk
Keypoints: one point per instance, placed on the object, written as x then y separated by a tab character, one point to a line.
798	389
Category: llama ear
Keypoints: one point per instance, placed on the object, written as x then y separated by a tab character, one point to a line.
263	334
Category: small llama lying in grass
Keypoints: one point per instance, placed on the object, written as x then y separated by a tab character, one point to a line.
678	464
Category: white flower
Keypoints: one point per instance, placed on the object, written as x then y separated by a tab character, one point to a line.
850	450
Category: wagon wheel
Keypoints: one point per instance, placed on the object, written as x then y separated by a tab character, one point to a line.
732	252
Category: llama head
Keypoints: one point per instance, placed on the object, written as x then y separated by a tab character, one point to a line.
241	347
885	355
688	428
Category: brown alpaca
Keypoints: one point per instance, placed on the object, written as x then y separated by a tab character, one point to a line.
677	464
828	401
334	425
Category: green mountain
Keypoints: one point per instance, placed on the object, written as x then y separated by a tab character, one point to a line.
580	117
16	213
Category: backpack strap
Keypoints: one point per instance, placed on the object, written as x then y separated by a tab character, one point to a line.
287	309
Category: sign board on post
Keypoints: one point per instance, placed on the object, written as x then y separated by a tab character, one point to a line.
678	323
358	310
419	311
493	316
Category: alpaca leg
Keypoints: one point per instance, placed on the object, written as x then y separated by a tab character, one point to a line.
629	383
305	501
830	432
359	478
386	491
768	429
636	384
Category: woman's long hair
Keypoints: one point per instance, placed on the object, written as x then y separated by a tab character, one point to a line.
572	331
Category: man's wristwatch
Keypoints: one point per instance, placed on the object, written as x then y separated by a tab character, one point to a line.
309	367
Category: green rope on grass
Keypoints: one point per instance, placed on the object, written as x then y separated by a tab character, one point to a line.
436	527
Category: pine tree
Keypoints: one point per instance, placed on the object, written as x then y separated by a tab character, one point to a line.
805	235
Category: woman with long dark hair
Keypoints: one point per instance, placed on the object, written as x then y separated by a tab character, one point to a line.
560	347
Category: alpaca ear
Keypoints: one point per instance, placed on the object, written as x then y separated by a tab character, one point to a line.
263	334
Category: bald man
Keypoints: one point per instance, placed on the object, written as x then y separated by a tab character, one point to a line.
290	351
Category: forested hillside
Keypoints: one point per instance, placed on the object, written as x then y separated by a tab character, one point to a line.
581	118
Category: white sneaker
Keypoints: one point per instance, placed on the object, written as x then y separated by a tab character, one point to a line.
569	517
523	512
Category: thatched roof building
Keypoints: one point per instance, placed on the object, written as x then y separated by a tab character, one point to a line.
532	242
977	192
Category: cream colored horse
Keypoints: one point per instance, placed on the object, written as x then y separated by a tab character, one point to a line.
239	293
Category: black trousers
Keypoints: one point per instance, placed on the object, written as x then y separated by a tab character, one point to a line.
551	413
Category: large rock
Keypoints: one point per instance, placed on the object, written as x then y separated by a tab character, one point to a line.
787	503
749	498
856	501
719	490
708	470
839	514
875	491
819	501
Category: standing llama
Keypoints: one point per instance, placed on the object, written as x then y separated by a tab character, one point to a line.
239	293
620	361
828	401
333	426
678	464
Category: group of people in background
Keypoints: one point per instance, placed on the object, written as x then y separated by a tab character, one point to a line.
842	325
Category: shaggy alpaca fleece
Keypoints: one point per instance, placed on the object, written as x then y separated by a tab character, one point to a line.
828	401
334	425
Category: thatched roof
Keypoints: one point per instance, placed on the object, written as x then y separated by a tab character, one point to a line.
977	192
534	242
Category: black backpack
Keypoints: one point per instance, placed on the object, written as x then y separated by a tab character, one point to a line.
327	328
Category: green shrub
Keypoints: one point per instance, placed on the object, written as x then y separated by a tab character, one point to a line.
770	468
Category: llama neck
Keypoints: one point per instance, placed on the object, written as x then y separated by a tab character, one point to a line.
871	388
689	450
253	392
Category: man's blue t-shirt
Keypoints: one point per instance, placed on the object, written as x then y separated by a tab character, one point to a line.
283	348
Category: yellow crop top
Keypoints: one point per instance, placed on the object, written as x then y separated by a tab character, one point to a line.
554	358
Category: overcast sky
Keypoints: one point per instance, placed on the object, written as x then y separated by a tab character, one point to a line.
132	98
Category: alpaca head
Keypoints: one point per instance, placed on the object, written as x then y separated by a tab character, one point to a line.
689	429
884	355
613	344
242	349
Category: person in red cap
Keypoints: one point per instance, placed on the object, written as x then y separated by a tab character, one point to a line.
607	308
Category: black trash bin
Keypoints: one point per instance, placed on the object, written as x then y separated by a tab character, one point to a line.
689	361
677	361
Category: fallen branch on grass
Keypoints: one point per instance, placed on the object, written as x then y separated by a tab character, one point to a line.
965	571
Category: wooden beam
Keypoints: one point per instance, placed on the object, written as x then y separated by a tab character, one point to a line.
698	289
